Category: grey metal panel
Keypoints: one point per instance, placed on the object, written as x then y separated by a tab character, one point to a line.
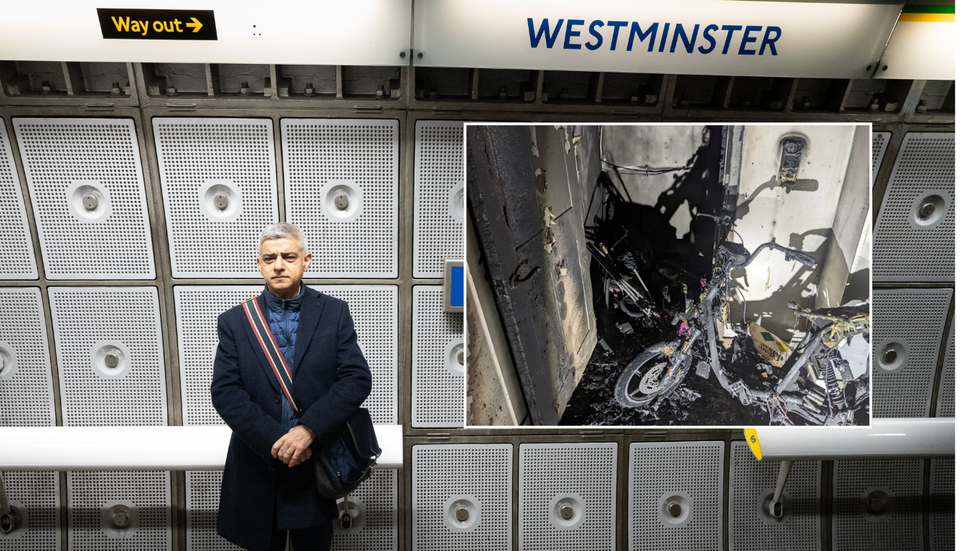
908	245
375	312
946	403
36	502
91	323
751	486
439	207
910	322
198	308
355	157
26	392
475	477
18	260
94	495
203	490
579	476
879	142
438	392
689	474
199	158
374	509
898	526
942	516
66	160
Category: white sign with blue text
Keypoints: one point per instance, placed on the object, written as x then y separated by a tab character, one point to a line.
712	37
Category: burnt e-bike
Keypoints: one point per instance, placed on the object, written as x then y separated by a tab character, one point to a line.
815	383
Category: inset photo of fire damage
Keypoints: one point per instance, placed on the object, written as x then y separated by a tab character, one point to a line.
668	274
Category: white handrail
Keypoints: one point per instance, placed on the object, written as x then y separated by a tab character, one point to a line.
885	438
139	448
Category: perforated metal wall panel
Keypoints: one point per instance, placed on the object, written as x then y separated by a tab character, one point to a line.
908	326
95	498
18	260
438	392
688	474
198	308
375	312
86	185
94	324
877	505
942	521
342	188
439	196
202	160
914	233
36	502
461	497
751	486
26	392
946	403
373	506
203	494
879	142
578	479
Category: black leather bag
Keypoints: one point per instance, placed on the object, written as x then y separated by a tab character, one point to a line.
347	458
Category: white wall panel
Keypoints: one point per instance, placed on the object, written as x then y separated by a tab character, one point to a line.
439	206
474	478
577	478
324	159
911	244
26	391
438	391
95	498
18	260
86	184
36	501
908	328
688	474
199	159
751	487
878	505
90	325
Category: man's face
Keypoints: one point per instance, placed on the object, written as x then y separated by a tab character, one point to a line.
282	265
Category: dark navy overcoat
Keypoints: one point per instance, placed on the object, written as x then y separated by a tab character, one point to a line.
330	381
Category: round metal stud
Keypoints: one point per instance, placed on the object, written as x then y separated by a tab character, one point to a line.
111	361
341	201
926	209
221	201
462	514
674	509
890	355
6	524
877	502
566	512
459	358
120	519
90	201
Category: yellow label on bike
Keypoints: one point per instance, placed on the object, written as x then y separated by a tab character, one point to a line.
752	437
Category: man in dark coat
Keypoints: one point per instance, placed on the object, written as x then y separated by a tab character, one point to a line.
269	486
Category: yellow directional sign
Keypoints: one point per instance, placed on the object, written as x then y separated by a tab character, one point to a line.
138	24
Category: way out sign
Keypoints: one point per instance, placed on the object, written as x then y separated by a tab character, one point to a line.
158	24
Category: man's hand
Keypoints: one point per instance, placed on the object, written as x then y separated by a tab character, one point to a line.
294	446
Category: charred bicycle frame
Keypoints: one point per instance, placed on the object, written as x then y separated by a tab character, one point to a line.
658	371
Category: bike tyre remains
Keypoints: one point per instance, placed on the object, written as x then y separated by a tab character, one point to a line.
632	390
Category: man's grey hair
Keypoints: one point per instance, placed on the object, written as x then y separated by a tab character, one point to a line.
284	230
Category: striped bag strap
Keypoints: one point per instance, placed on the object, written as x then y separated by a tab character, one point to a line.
272	353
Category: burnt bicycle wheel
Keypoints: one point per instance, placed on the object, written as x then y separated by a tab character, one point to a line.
648	376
